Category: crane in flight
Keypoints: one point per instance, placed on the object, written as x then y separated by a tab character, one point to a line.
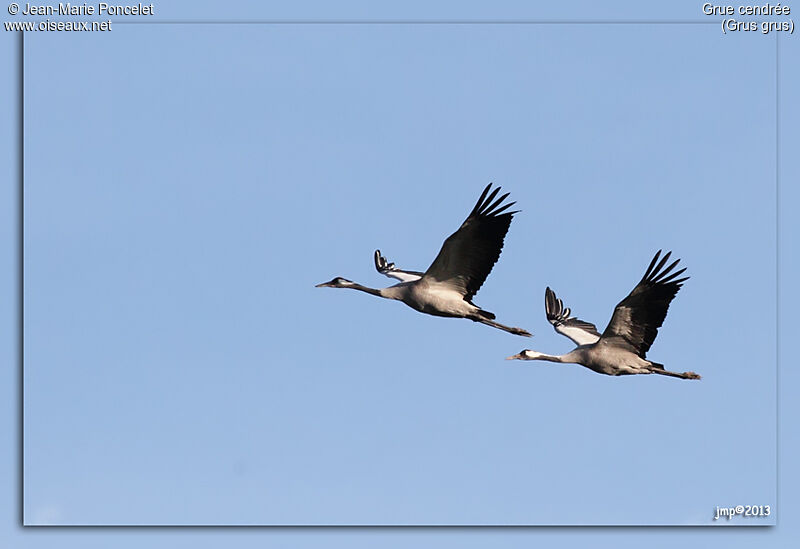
621	348
458	272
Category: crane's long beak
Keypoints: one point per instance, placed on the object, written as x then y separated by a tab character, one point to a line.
323	285
517	356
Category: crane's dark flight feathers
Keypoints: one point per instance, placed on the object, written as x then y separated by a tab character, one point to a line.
638	317
468	255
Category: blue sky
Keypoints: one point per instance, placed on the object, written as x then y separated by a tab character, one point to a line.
181	368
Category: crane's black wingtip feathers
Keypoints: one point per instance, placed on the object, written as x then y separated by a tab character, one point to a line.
652	264
659	275
680	281
550	303
483	194
656	272
496	203
484	205
489	205
382	265
503	208
666	278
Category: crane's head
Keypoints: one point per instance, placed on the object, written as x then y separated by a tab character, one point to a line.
527	354
337	282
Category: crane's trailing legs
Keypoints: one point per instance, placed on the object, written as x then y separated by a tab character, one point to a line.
509	329
659	369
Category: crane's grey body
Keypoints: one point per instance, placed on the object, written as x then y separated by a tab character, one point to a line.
446	289
600	357
621	349
431	298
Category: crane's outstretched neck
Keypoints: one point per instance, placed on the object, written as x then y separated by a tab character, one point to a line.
527	354
371	291
340	282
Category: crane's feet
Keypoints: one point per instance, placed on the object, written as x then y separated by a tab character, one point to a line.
691	375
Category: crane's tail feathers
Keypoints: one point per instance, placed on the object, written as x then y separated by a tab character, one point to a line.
659	369
509	329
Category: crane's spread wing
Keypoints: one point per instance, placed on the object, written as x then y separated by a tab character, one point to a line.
388	269
638	317
468	255
579	331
